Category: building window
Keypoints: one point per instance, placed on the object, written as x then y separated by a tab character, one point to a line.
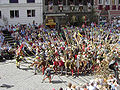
77	2
0	15
60	2
113	7
100	7
30	13
107	2
50	2
30	1
14	13
46	2
118	7
71	2
13	1
107	7
113	2
100	2
119	1
50	6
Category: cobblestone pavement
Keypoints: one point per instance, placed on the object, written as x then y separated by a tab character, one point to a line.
12	78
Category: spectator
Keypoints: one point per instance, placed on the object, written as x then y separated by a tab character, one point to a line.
91	87
53	89
61	88
84	87
69	87
74	87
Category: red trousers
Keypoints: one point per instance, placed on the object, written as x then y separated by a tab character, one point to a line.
43	69
72	71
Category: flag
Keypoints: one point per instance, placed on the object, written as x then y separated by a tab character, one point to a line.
18	51
80	34
39	35
21	47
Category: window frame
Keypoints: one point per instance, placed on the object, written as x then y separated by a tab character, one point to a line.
30	2
71	2
107	3
115	2
100	7
17	1
0	14
46	2
15	15
100	3
31	13
12	14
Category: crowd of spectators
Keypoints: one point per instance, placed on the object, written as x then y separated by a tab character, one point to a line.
31	31
96	84
1	38
37	36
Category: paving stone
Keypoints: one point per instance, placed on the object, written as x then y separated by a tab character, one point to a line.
23	79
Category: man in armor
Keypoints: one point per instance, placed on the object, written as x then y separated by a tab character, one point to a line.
47	74
113	65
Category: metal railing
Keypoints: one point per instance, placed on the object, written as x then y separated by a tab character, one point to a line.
64	8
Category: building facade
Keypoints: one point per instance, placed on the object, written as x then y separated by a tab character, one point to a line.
62	12
21	11
108	10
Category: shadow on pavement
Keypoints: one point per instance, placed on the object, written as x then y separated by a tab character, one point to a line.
26	69
57	82
6	86
2	60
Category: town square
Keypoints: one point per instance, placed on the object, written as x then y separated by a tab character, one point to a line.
59	44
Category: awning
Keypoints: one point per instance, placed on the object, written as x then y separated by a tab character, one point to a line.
55	14
51	23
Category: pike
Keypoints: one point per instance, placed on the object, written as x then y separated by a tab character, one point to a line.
66	35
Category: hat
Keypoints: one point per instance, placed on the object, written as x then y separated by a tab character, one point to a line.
37	57
79	52
74	86
51	66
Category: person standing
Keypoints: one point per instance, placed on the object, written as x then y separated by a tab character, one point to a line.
69	86
18	60
47	74
55	63
113	65
78	62
61	65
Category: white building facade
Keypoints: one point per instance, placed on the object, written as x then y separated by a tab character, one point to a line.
21	11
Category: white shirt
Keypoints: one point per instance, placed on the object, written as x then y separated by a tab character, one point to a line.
78	59
68	88
91	88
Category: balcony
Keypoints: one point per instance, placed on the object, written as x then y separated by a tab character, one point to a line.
100	7
113	7
66	9
118	7
107	7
